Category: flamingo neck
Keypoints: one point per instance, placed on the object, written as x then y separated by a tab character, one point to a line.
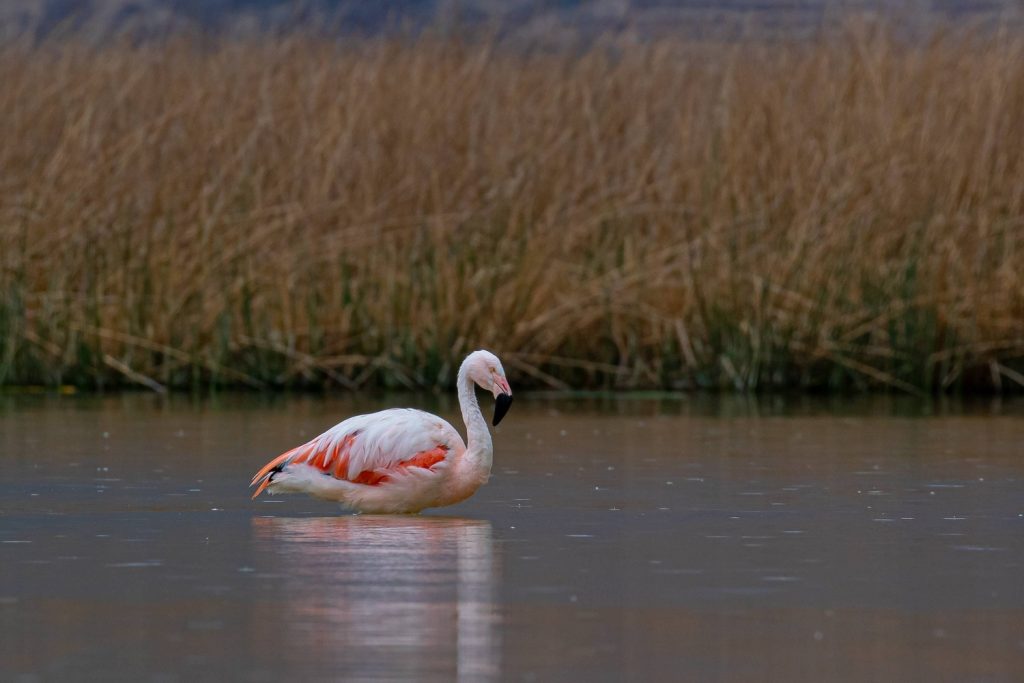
479	449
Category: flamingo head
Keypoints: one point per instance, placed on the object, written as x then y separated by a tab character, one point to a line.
485	369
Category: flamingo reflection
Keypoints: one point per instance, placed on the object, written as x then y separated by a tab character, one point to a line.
384	597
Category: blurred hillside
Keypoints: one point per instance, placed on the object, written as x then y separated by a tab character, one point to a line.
534	20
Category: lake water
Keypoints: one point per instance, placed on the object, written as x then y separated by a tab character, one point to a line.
634	539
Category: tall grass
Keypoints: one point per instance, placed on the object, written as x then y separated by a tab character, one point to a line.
840	213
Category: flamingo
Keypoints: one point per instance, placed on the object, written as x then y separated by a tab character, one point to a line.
400	460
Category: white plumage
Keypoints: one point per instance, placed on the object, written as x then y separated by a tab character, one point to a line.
397	460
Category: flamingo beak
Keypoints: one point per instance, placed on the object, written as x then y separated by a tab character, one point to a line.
501	406
502	399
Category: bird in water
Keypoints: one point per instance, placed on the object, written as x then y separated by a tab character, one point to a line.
399	460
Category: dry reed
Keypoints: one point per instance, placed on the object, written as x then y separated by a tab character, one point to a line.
841	213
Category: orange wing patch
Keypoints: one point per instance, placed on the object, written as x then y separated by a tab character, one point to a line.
334	462
424	459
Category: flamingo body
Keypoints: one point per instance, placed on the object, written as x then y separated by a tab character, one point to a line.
399	460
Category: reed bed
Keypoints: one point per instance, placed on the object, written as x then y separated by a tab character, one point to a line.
842	213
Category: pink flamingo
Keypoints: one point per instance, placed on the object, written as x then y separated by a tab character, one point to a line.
398	460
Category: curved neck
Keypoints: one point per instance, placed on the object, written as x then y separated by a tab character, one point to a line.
478	437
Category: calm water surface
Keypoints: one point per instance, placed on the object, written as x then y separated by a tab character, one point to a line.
712	540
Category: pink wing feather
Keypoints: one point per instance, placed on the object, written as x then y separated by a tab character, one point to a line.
365	448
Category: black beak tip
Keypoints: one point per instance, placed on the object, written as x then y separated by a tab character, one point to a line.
501	405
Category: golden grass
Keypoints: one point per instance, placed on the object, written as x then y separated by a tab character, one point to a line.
842	213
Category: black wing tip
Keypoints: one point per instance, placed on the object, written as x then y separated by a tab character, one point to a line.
270	475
